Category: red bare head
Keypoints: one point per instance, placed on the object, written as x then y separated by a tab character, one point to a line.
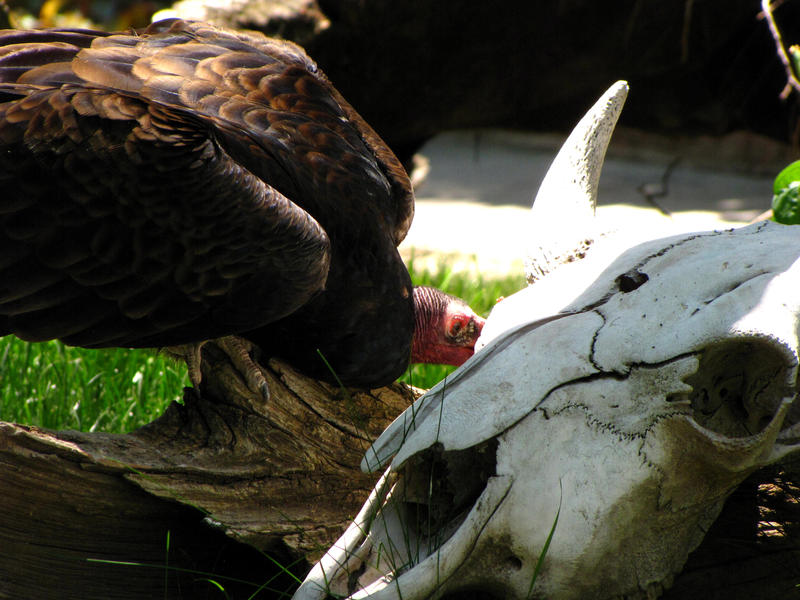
445	328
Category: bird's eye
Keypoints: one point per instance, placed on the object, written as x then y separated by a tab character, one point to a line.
456	325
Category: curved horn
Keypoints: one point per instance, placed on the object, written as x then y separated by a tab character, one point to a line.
563	211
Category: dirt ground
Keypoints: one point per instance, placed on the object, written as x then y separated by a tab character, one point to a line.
472	206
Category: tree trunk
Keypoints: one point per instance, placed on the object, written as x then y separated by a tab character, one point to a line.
282	476
752	550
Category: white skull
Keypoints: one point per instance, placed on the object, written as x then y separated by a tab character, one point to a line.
628	413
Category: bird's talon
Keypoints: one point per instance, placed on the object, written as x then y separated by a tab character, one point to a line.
238	350
192	355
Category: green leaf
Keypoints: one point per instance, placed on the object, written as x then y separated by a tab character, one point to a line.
794	55
786	204
787	176
786	198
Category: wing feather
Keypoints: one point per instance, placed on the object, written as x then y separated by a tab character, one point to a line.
134	213
244	83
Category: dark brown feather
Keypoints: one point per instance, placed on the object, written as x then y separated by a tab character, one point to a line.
189	182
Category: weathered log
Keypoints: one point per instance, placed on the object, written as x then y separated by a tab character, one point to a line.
209	486
225	476
752	550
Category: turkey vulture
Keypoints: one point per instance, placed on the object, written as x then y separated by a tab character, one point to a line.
189	182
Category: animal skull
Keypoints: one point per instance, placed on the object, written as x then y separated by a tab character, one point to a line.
616	417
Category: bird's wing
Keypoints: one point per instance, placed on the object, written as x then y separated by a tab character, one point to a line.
272	108
127	220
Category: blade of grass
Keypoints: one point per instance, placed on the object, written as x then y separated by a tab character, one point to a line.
546	546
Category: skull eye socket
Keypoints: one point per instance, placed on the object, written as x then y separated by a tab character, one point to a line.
632	280
739	385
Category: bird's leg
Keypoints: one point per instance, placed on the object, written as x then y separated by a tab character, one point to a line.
238	349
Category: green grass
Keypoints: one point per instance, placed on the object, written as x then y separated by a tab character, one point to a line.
59	387
116	390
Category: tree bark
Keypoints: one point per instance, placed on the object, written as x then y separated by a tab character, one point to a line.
752	550
280	477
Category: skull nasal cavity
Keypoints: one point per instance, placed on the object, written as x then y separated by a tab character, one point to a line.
739	386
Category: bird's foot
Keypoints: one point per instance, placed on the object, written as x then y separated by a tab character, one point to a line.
238	350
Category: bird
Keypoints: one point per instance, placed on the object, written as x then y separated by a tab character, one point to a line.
187	182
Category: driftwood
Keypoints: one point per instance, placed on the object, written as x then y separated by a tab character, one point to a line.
752	550
220	487
209	487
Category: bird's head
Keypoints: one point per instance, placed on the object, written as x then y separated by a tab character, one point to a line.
445	328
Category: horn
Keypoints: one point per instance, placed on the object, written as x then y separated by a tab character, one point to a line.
563	211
